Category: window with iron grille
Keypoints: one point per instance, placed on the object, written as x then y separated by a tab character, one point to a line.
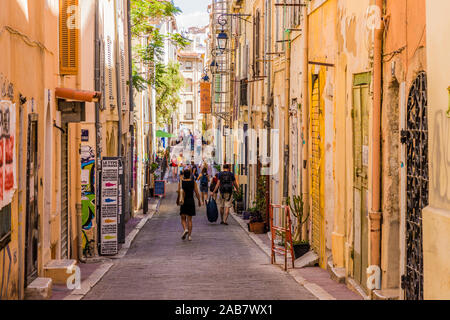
5	226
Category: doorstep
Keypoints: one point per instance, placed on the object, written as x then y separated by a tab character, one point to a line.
60	270
386	294
39	289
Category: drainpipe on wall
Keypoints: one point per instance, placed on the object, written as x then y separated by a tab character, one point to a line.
78	206
269	98
375	214
98	134
286	117
130	79
305	119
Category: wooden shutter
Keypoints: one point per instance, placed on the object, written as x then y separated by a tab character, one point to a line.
68	37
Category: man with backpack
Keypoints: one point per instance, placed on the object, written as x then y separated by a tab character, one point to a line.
225	186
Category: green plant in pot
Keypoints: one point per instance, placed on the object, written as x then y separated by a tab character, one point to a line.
238	197
296	207
153	167
258	211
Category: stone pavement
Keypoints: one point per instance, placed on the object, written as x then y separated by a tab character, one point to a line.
221	262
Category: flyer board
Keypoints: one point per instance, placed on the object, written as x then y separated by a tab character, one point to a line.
110	202
160	188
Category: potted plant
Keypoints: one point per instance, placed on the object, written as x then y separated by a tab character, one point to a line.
256	223
296	205
238	197
258	212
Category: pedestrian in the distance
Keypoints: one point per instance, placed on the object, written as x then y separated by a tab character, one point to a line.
225	185
194	169
187	209
174	166
204	182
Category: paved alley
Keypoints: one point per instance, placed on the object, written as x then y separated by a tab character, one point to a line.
221	262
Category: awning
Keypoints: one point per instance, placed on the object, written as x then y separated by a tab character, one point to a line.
163	134
77	95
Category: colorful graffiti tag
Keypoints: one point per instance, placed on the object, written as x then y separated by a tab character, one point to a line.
88	199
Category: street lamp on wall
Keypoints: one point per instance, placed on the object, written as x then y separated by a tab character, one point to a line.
222	40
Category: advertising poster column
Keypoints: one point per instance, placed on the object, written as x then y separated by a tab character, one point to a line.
109	206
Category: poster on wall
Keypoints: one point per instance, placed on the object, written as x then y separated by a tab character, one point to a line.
109	206
88	198
7	152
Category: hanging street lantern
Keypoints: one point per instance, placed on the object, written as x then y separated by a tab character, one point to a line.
222	39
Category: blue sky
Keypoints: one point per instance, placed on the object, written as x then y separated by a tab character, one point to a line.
194	13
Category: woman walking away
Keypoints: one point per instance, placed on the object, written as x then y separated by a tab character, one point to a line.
187	209
174	166
204	181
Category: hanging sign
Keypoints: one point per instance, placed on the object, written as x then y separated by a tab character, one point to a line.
110	202
205	97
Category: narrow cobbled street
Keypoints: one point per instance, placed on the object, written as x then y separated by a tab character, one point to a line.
221	262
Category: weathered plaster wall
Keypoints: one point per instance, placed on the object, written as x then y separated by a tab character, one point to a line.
31	70
436	217
354	43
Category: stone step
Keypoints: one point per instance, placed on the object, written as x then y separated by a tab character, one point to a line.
39	289
60	270
386	294
337	274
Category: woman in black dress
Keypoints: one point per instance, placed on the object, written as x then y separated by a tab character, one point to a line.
187	209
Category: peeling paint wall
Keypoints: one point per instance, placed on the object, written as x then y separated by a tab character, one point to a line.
354	46
404	58
436	217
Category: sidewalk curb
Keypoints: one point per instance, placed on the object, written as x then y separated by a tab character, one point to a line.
313	288
98	274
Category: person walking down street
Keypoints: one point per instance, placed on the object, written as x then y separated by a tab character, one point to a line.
194	169
225	184
204	182
187	209
214	181
174	166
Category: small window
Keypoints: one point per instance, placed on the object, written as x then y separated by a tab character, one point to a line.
189	111
189	87
68	36
188	65
5	226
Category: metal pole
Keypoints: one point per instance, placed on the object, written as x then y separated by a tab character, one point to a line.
98	134
130	79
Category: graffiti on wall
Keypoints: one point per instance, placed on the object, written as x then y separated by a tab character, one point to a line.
88	199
